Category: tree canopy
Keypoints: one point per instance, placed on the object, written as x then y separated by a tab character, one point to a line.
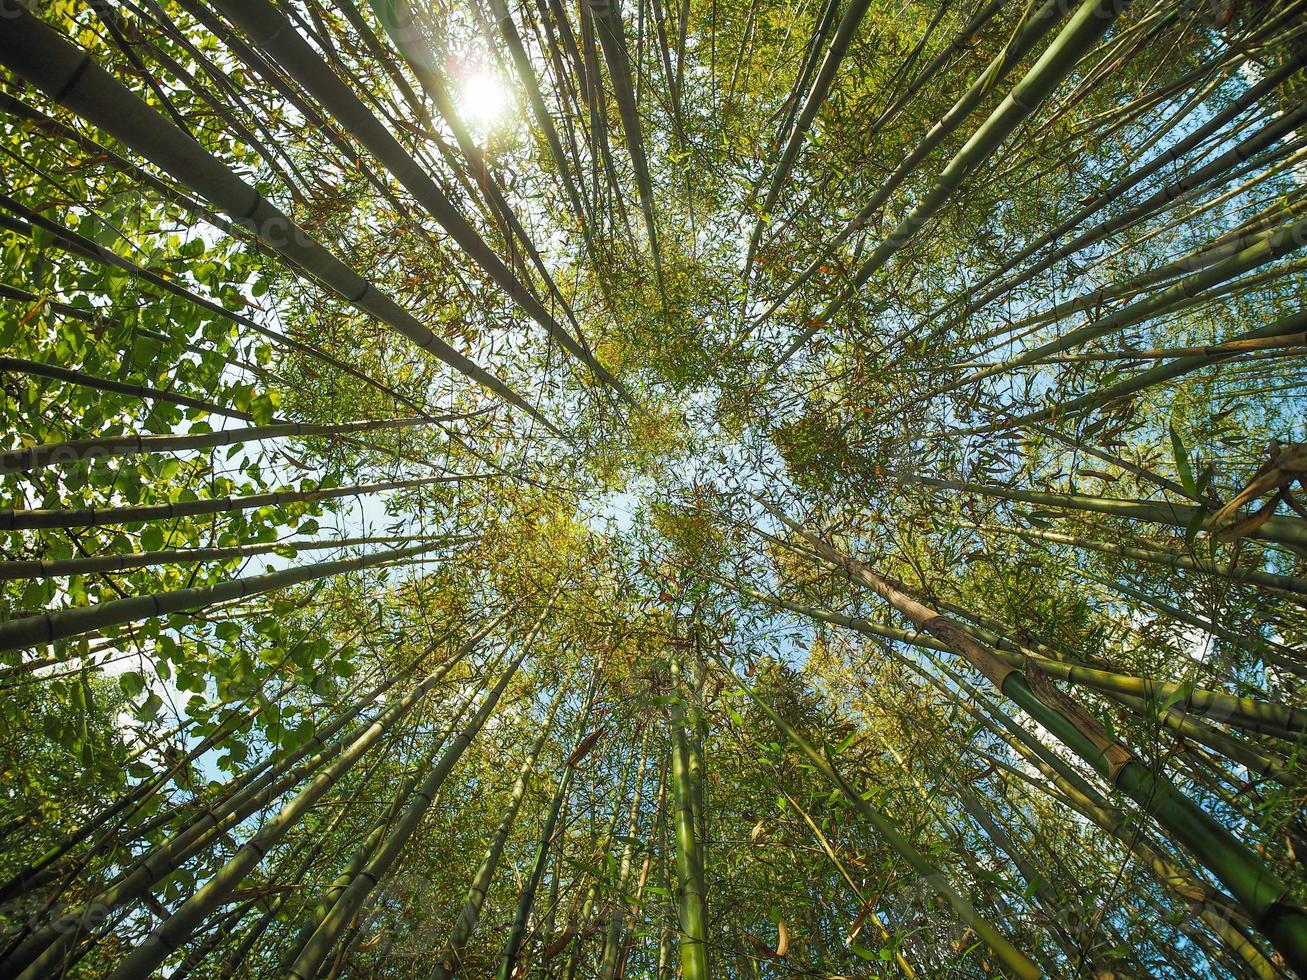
632	488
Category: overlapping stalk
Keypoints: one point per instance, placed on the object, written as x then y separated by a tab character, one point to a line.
71	77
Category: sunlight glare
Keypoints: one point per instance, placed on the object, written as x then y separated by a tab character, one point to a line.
483	99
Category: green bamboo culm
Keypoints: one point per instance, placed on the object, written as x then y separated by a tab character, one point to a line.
1284	530
107	447
1012	958
368	848
465	925
172	933
692	902
526	898
612	41
1266	899
30	631
353	897
1033	30
63	567
1250	97
37	53
24	368
46	518
1088	24
44	949
850	21
1229	707
273	33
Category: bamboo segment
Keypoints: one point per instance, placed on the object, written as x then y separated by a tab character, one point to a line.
71	77
20	634
612	41
451	960
1035	28
850	21
693	904
1284	530
44	949
1017	962
1264	897
356	893
526	898
1289	328
62	567
1173	155
106	447
27	520
1284	240
272	32
178	927
1198	700
36	369
1087	25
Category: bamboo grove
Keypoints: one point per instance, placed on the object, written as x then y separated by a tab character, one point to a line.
658	488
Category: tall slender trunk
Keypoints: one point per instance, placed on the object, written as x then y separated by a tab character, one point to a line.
45	948
1283	530
356	893
1226	707
270	30
20	634
616	947
69	76
1017	962
167	937
526	898
451	959
29	520
62	567
692	902
1086	26
1216	910
602	846
1267	900
107	447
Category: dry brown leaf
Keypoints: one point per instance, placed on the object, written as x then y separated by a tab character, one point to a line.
584	746
761	948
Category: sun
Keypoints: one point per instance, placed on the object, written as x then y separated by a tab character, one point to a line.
483	100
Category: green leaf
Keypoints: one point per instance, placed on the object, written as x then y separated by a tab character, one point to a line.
1182	465
132	683
152	538
1179	694
149	709
1195	525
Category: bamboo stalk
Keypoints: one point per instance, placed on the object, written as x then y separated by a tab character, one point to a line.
451	958
27	520
30	631
106	447
1086	26
169	935
1266	899
271	31
1013	959
526	897
692	903
63	567
71	77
